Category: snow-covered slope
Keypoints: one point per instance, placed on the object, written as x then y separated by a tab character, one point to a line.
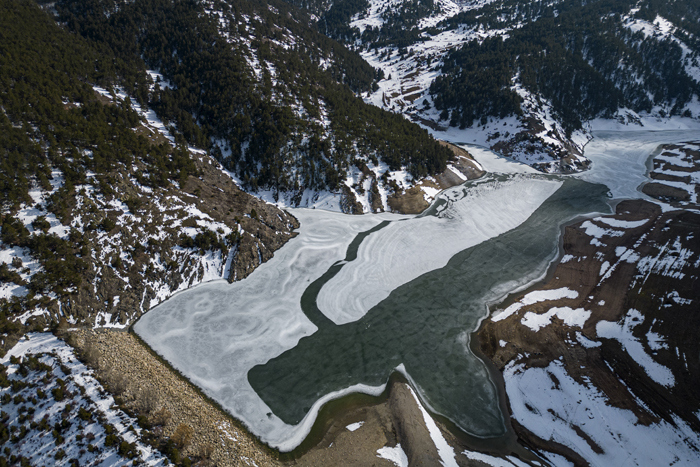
418	44
58	413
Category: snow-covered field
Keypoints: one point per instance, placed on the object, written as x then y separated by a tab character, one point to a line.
555	407
61	412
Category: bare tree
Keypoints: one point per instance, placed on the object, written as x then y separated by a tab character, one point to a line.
90	355
182	435
116	382
161	417
147	400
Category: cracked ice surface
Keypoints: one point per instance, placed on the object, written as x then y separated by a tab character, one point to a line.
403	251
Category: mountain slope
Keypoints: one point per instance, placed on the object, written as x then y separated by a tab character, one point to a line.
526	78
102	214
272	98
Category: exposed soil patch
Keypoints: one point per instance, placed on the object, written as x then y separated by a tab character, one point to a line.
462	167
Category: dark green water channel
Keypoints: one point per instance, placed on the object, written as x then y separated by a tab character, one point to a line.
425	325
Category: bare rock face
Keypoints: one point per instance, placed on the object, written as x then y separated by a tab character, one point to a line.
264	228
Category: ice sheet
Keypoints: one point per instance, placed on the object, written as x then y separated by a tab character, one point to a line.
255	320
620	158
403	251
494	163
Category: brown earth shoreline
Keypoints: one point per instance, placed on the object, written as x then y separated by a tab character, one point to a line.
608	367
391	419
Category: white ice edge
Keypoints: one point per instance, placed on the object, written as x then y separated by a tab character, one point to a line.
445	451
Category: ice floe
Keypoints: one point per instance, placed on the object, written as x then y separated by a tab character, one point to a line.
355	426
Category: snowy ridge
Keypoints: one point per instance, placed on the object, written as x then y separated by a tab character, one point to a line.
623	334
445	451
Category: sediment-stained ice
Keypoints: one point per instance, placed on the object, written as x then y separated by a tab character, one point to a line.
214	333
405	250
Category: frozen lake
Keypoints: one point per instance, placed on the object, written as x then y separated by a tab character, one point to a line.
353	298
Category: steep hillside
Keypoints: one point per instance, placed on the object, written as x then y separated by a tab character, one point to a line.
274	100
525	78
605	350
102	214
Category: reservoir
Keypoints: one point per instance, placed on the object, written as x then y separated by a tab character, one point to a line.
353	298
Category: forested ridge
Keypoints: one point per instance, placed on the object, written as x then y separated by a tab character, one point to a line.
553	65
290	124
98	200
51	120
583	59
